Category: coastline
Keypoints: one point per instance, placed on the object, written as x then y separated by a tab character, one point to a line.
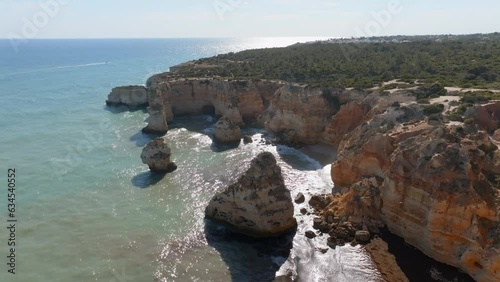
325	154
379	178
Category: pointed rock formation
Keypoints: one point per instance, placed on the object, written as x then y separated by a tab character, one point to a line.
157	154
258	204
226	131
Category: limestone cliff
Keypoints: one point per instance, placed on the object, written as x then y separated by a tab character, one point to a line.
258	204
133	96
299	114
240	100
294	113
435	185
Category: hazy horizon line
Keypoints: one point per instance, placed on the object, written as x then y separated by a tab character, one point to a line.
243	37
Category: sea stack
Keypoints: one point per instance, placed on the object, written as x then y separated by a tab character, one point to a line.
226	131
258	204
157	155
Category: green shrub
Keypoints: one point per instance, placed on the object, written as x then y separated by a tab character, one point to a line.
390	86
474	97
428	90
463	108
455	117
436	117
433	109
469	121
479	96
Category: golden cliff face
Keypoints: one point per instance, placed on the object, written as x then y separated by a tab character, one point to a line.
298	114
295	114
240	100
436	183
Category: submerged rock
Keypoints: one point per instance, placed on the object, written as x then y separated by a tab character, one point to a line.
310	234
226	131
133	96
157	155
300	198
247	139
258	204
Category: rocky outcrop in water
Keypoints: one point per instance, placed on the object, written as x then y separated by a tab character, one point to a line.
258	204
133	96
157	155
435	185
226	131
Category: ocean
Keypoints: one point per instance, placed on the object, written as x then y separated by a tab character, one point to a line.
89	210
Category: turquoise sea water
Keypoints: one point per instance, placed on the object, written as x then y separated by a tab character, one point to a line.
89	210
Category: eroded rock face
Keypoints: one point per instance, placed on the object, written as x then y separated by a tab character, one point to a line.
347	119
240	100
437	185
296	114
226	131
157	155
258	204
496	135
299	114
133	96
487	117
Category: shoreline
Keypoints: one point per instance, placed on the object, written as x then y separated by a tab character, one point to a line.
382	257
393	258
380	177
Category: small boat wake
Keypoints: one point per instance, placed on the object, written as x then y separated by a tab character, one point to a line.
56	68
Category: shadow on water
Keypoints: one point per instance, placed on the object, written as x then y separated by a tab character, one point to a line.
118	109
323	154
141	139
249	259
147	179
193	123
219	148
419	267
296	159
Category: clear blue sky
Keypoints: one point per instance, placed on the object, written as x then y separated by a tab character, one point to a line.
244	18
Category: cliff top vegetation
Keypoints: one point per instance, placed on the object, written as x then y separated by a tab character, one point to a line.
468	61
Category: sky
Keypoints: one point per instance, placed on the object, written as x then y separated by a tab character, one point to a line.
244	18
